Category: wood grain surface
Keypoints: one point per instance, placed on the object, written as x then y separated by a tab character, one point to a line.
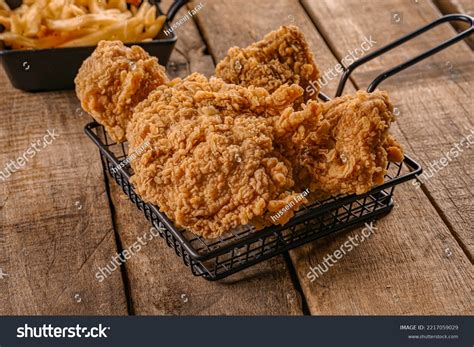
458	6
427	234
434	98
55	222
62	218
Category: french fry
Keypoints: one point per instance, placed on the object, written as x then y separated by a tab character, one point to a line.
95	6
19	40
154	29
16	25
85	21
120	4
142	9
75	11
4	5
150	16
5	21
133	32
115	32
33	19
40	24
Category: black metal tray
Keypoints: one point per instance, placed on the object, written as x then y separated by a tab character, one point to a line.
56	68
244	247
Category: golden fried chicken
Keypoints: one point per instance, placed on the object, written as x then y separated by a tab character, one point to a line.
282	57
394	149
217	154
209	161
113	80
341	146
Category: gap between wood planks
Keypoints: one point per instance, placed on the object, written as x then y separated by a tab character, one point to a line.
457	6
297	284
425	190
446	221
118	243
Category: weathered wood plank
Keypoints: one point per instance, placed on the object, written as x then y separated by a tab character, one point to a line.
159	283
55	222
458	6
413	265
434	98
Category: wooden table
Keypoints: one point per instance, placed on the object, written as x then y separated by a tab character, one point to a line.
61	217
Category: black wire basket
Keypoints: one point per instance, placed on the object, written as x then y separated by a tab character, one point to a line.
217	258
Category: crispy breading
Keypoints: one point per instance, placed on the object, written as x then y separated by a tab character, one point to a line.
312	135
210	164
217	154
394	149
113	80
282	57
341	146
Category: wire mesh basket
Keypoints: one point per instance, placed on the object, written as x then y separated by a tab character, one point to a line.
241	248
244	247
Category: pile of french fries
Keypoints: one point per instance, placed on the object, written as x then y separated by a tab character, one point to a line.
40	24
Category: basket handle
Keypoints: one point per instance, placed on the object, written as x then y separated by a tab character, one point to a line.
412	61
174	8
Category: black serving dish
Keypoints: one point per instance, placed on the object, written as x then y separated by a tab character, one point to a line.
56	68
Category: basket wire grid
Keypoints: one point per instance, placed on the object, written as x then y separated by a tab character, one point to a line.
243	247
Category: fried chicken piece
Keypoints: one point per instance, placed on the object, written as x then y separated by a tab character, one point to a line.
394	149
282	57
113	80
341	146
209	161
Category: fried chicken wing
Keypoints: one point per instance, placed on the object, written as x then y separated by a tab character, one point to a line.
113	80
209	162
282	57
341	146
